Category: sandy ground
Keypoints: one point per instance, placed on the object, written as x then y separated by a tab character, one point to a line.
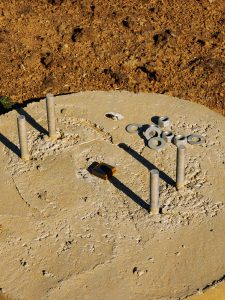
66	234
64	46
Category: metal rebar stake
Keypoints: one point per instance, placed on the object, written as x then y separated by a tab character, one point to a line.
180	167
154	191
50	105
21	122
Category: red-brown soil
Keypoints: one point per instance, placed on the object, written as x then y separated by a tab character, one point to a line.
62	46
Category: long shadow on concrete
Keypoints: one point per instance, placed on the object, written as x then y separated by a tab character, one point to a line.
31	121
128	192
146	163
105	171
10	145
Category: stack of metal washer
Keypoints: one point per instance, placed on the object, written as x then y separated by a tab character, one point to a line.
157	135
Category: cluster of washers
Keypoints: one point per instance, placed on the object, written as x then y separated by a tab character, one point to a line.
157	135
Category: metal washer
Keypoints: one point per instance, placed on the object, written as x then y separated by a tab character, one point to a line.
132	128
180	140
195	139
156	143
167	136
164	121
151	131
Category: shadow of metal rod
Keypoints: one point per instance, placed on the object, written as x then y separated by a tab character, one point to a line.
146	163
32	121
128	192
9	144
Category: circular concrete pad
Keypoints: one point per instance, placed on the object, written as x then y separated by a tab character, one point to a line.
66	234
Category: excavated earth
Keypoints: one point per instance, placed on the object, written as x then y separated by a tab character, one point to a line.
66	234
63	46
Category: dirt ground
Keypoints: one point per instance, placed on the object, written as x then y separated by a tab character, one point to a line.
62	46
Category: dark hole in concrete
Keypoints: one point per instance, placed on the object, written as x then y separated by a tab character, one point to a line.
110	116
23	262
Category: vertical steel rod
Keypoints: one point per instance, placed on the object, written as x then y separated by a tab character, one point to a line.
21	122
154	191
50	105
180	167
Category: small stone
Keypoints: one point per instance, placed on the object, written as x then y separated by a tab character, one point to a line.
92	248
140	273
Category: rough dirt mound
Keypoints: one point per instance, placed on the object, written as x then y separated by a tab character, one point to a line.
63	46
